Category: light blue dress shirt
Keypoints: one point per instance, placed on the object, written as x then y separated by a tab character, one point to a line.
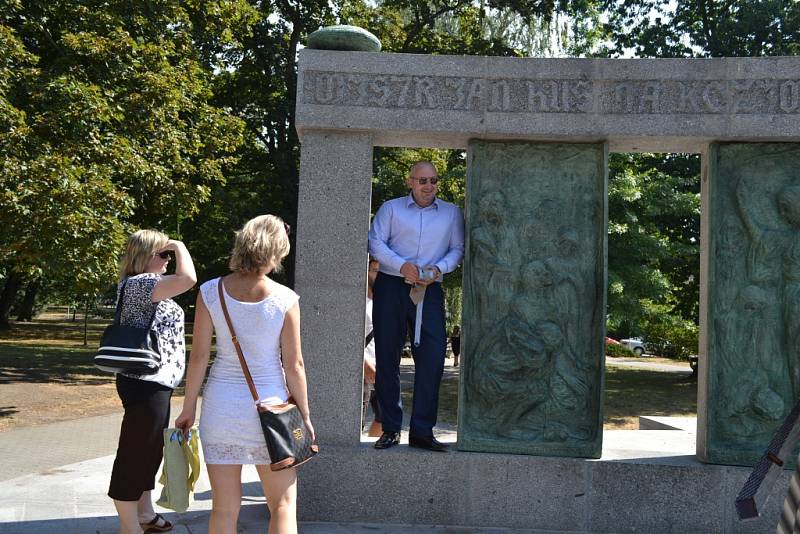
403	232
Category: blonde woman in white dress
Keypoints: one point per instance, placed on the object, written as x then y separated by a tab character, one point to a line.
266	318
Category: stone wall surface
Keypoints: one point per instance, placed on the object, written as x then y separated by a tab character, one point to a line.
534	299
348	102
673	105
753	298
675	495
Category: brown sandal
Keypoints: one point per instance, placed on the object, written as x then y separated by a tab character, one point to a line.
153	525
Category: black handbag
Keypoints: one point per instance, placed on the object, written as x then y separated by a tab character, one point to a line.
288	441
128	349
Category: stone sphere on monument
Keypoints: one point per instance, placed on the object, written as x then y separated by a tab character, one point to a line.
344	37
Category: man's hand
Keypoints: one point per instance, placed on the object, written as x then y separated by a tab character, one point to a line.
434	274
410	272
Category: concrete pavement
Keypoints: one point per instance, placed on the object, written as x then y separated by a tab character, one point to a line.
71	499
54	478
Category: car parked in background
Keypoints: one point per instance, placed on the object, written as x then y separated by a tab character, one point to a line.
635	344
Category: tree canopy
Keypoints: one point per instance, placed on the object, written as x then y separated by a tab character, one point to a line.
110	126
179	115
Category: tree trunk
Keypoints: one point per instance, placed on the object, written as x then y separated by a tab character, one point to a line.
86	322
289	150
10	290
25	312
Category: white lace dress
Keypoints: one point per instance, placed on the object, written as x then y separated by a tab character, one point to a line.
230	431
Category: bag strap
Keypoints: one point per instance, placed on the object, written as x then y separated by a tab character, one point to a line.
235	340
368	339
120	300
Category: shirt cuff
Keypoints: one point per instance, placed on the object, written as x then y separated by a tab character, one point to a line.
396	263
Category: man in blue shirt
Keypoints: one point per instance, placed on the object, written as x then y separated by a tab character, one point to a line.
416	239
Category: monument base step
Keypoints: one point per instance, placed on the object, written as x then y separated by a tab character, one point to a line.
657	422
645	481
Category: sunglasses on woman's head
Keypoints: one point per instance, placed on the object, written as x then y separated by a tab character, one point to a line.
163	255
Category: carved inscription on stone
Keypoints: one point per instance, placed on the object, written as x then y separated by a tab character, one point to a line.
533	299
552	96
754	296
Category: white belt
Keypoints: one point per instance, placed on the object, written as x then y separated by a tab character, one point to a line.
417	295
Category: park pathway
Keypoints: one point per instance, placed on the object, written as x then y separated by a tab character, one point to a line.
55	476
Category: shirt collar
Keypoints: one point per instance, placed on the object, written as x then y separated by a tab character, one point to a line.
410	202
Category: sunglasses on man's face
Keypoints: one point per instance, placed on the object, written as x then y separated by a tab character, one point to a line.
422	180
163	255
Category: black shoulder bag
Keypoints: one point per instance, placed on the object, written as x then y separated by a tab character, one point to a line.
288	440
128	349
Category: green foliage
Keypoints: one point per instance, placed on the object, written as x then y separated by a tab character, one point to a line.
180	115
668	334
619	351
689	28
453	302
653	202
255	81
489	28
61	220
110	127
653	242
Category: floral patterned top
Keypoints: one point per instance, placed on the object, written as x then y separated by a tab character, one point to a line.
137	309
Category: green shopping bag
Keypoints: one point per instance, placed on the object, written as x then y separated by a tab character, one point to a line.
181	469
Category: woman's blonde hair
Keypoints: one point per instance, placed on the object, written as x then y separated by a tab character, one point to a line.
139	250
261	244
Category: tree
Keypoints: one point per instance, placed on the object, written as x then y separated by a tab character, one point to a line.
489	27
111	126
654	204
653	244
705	28
257	84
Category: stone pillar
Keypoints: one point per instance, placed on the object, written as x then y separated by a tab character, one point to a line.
331	265
534	299
750	296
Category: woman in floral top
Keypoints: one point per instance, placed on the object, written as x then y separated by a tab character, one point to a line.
148	293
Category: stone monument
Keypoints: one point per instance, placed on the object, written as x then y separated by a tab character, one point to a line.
349	102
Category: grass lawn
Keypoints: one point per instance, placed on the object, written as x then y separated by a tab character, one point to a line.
629	393
633	392
47	374
50	349
448	402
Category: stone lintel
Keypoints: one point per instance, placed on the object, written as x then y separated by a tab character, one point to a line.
675	105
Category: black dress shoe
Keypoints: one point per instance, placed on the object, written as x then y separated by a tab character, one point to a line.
430	443
387	440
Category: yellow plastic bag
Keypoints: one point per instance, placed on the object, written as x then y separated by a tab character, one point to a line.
181	469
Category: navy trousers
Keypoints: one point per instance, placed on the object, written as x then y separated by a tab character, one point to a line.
393	316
